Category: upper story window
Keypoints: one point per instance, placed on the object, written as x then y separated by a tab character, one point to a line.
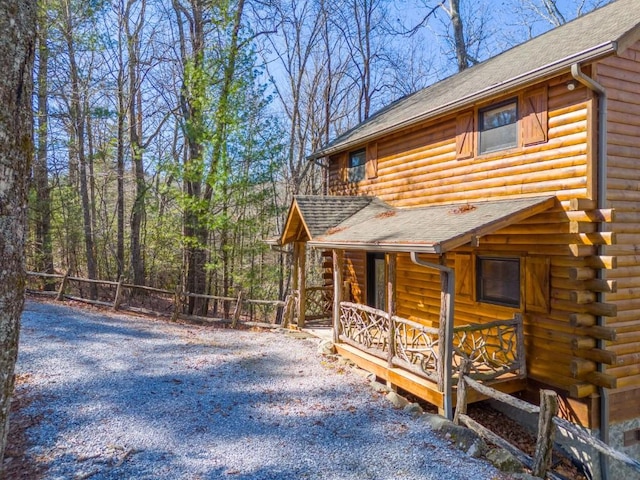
498	280
498	127
357	165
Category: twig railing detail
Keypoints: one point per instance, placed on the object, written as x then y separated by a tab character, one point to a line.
492	349
319	302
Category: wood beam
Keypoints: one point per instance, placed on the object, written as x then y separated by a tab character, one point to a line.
338	261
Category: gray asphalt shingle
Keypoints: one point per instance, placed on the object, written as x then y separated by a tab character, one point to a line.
600	32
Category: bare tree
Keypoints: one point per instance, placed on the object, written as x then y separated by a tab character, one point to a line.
78	114
135	133
535	16
17	45
42	205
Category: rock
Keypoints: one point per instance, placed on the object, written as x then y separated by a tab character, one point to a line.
462	438
298	334
346	362
396	400
504	461
326	347
436	422
524	476
465	439
414	409
379	387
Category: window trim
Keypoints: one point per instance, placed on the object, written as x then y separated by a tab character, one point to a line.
480	298
481	130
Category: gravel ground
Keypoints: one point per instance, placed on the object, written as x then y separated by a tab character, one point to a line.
123	397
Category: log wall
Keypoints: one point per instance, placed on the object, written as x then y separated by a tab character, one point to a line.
420	166
557	248
620	76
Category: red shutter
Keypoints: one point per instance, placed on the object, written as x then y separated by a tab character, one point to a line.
534	117
372	160
464	136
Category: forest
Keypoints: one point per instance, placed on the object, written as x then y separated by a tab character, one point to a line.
170	136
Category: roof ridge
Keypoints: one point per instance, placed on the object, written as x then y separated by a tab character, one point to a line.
603	27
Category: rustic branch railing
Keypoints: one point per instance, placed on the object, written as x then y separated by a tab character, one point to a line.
494	349
548	420
319	302
173	300
365	327
416	348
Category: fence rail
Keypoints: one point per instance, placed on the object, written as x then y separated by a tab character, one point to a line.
548	420
158	301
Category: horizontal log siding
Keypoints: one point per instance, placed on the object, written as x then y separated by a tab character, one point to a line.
621	78
419	166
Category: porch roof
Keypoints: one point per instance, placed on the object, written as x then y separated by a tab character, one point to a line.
367	223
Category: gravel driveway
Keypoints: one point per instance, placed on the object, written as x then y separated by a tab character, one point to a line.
123	397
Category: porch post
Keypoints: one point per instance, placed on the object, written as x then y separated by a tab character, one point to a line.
338	261
445	333
391	304
301	249
445	329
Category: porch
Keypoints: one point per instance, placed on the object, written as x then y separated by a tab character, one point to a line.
420	354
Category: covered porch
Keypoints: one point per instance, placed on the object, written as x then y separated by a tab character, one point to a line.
419	355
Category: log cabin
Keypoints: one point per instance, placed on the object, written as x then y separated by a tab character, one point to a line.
495	216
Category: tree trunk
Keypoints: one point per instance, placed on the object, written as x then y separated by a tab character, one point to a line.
120	169
44	255
78	120
17	43
135	136
194	233
462	56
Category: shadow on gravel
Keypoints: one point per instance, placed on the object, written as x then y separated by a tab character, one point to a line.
116	401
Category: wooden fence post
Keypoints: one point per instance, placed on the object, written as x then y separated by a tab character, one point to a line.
237	310
177	303
118	300
546	430
461	404
63	285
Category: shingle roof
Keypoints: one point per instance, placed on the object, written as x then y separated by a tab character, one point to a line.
599	33
320	213
366	223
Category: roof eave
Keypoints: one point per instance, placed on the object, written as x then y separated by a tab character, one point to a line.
377	247
545	71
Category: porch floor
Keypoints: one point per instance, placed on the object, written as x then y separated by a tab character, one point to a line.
419	386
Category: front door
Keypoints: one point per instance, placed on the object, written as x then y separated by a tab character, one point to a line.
376	281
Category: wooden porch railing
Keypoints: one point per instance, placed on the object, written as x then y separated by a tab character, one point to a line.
493	349
319	302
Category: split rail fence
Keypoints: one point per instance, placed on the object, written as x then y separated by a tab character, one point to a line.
156	301
548	420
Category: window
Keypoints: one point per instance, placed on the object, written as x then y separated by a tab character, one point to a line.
498	280
356	166
499	127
